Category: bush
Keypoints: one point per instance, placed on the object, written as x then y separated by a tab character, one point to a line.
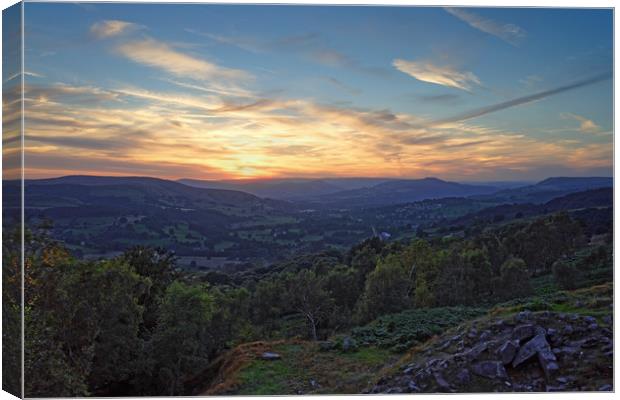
566	275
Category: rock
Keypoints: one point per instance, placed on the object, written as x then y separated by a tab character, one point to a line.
408	370
441	382
606	388
314	383
523	332
523	316
548	362
593	326
568	330
473	334
489	369
349	344
607	320
485	336
463	376
589	319
552	332
326	345
412	387
529	349
473	353
508	351
270	356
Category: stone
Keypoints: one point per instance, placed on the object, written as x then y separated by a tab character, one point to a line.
326	345
589	319
593	326
412	387
523	332
568	330
529	349
508	351
270	356
349	344
489	369
607	320
441	382
606	388
548	362
475	352
463	376
523	316
485	336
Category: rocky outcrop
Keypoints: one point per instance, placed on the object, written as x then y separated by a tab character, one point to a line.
543	351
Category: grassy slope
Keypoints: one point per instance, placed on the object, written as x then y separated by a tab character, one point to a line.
305	369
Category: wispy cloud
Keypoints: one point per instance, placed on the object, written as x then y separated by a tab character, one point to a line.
111	28
509	33
585	125
439	75
162	56
523	100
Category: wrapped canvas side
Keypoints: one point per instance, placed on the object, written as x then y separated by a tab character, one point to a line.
12	201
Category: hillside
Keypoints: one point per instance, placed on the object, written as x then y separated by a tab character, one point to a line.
399	191
450	350
548	189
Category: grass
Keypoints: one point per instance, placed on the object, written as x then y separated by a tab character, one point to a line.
305	369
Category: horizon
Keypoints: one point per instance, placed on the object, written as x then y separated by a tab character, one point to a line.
206	92
271	179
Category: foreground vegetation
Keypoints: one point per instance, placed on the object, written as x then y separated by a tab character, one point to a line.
137	325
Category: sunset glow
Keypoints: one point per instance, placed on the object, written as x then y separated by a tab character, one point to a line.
209	92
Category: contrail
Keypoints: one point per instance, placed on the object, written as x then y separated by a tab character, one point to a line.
521	100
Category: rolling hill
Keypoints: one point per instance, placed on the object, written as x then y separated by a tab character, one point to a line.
400	191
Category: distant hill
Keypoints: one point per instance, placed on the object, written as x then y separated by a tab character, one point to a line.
286	189
400	191
548	189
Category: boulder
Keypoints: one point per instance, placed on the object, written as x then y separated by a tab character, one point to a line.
441	382
473	353
530	349
463	376
270	356
548	362
508	351
523	332
489	369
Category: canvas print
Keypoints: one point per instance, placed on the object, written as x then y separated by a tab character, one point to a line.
208	200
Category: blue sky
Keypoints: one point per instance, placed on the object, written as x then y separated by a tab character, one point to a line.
208	91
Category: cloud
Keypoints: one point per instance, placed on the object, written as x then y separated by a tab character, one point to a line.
522	100
440	98
509	33
585	125
160	55
110	28
439	75
175	135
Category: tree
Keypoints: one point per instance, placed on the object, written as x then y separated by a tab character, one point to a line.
386	290
306	295
157	265
514	280
182	342
566	275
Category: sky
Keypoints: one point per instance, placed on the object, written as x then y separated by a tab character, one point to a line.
231	91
